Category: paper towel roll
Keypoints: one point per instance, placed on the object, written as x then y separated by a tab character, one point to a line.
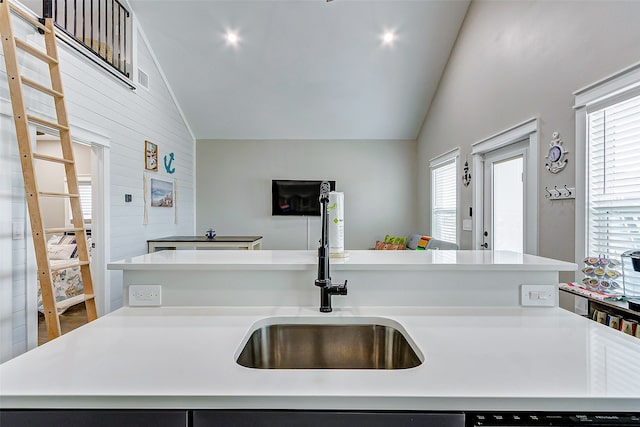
336	222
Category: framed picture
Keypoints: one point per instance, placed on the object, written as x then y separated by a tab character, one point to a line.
150	156
161	193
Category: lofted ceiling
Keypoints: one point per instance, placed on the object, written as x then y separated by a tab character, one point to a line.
302	69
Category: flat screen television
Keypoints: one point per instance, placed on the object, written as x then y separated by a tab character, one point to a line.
296	197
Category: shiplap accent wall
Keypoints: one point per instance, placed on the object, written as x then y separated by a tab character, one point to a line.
99	103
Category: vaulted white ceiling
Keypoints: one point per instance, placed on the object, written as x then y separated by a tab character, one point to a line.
303	69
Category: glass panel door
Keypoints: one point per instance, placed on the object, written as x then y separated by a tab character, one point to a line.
504	201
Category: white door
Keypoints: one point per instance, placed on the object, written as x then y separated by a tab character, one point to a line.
504	199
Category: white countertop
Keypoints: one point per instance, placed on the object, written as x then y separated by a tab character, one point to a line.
432	260
474	359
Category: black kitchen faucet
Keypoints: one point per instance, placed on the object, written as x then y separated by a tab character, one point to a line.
324	279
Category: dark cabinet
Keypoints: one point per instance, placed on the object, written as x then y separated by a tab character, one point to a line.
92	418
325	418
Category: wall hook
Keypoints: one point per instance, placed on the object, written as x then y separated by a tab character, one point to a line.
560	193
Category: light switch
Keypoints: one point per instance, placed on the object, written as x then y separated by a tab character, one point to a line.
539	295
17	230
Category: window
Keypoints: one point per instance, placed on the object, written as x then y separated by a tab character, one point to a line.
444	197
613	178
607	173
84	190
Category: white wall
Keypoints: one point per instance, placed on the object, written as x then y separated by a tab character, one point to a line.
125	118
234	188
515	60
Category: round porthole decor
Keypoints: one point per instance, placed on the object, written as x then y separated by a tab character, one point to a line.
556	155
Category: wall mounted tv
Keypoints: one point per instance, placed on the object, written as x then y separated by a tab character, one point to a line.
296	197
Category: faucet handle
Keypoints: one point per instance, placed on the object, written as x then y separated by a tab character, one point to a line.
325	188
342	289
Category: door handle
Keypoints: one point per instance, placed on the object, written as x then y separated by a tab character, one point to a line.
485	245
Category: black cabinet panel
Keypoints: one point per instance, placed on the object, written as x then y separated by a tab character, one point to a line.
92	418
324	419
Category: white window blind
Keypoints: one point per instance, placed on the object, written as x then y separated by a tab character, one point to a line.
84	191
443	201
613	179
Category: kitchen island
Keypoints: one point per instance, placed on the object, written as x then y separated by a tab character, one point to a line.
492	355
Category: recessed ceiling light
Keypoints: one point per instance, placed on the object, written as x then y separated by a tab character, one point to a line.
232	38
388	37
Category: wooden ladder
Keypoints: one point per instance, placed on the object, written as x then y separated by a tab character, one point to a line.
27	158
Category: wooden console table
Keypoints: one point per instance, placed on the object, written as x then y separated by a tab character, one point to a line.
221	242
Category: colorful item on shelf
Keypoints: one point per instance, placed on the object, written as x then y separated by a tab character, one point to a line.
422	244
382	246
599	274
584	290
628	326
395	240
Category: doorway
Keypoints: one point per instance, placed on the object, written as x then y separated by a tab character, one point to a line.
56	214
503	210
91	155
505	190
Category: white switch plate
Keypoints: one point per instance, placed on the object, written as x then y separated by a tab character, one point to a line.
17	230
539	295
145	295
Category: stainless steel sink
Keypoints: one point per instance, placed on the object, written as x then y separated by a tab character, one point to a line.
335	345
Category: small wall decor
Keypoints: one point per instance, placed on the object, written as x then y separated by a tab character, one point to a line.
556	155
167	165
210	233
151	156
161	193
466	178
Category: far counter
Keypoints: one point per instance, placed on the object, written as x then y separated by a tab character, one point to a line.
286	277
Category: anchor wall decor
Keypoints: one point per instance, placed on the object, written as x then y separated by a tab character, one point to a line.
167	164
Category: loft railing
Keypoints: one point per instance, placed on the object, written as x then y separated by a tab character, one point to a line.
101	26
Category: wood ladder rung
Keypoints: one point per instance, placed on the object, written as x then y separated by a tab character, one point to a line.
34	84
89	297
51	158
52	194
34	51
68	265
30	19
62	230
46	122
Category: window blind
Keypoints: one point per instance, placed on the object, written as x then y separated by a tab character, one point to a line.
613	179
443	201
84	190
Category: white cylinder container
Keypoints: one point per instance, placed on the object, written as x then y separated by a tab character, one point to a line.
336	223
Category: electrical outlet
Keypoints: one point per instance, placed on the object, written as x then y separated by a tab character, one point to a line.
539	295
145	295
